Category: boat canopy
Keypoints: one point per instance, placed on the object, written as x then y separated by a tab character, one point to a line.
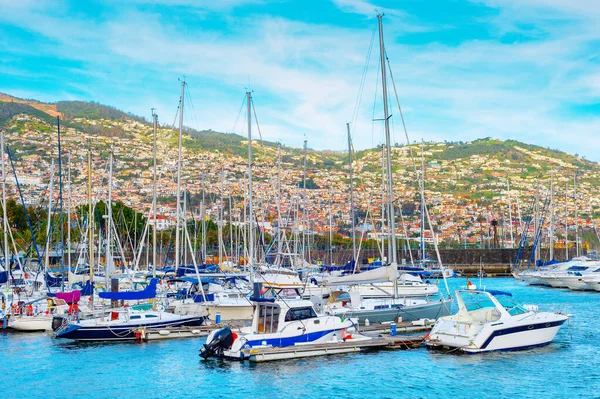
381	274
146	293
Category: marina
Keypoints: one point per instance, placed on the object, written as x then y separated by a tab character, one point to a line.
364	239
174	365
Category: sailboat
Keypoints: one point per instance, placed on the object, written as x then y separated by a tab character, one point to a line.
122	323
391	307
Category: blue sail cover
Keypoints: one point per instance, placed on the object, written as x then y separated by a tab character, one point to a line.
3	277
53	281
87	289
146	293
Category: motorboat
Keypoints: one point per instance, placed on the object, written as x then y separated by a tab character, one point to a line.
407	286
381	309
385	309
491	321
279	323
121	324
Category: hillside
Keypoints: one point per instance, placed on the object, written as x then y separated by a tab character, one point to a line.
465	182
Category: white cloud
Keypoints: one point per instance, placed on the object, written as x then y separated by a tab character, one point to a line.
306	75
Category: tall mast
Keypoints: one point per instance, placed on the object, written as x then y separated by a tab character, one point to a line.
383	232
154	123
351	194
304	246
48	226
279	241
220	226
69	213
512	236
250	199
536	225
178	195
60	203
203	211
4	213
577	243
567	221
330	230
551	232
108	251
90	221
386	118
422	189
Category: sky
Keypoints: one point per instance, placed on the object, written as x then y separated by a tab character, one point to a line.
462	69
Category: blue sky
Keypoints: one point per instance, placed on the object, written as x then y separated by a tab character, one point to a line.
511	69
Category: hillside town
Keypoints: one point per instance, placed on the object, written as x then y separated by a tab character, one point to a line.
480	200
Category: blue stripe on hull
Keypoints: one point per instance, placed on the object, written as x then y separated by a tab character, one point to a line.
291	341
123	332
518	329
517	348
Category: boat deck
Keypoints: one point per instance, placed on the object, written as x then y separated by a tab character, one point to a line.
268	353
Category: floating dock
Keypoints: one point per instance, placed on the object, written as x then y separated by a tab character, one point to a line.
403	327
269	353
155	334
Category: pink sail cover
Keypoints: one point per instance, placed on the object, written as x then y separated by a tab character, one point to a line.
69	297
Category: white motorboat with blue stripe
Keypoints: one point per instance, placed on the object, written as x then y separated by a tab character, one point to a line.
486	323
279	323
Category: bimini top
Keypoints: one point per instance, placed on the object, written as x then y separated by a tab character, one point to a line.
146	293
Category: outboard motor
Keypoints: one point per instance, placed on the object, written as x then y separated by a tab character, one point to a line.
221	340
58	322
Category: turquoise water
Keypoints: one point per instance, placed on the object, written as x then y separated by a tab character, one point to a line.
36	365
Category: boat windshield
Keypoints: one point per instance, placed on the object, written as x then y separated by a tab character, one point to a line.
475	301
512	308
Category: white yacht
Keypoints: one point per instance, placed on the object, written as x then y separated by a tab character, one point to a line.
279	323
484	323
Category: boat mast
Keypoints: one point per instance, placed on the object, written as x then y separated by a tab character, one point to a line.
4	213
48	226
391	215
383	232
202	212
279	241
154	123
220	226
250	199
551	232
536	225
60	205
512	237
577	243
69	213
422	189
178	195
567	221
304	210
108	251
90	223
351	195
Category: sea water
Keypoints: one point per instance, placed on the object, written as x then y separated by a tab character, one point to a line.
38	366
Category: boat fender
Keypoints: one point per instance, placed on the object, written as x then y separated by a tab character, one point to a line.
367	322
164	332
196	332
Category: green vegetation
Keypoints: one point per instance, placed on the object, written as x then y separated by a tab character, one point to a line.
8	110
94	111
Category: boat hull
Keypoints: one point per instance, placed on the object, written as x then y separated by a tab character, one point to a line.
35	323
430	310
122	332
490	339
